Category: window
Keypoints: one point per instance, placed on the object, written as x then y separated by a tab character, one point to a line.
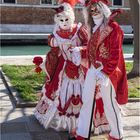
52	2
117	2
8	1
46	1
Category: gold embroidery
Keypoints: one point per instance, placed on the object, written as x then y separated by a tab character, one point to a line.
104	33
93	45
104	52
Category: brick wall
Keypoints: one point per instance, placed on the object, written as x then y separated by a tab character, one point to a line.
44	15
126	3
26	15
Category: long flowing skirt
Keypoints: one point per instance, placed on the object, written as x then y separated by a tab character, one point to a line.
62	113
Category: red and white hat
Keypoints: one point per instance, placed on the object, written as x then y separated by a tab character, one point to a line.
89	2
63	4
65	8
103	8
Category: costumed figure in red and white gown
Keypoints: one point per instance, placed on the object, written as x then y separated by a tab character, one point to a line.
61	99
107	68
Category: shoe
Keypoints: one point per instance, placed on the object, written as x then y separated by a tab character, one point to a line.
80	138
72	135
71	138
77	138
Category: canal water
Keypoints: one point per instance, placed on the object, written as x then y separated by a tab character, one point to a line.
42	50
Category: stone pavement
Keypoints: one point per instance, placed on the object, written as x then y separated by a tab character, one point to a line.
20	124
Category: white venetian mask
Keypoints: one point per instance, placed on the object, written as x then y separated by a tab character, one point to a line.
98	19
65	23
96	14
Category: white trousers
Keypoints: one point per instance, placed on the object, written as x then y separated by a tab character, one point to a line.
111	107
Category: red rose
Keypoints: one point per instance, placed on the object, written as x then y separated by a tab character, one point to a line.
38	70
37	60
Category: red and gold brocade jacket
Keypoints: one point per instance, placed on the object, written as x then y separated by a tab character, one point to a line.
105	46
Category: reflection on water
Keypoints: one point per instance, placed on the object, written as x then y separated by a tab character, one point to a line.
24	50
41	50
128	48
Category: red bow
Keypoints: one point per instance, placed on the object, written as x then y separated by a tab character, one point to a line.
59	9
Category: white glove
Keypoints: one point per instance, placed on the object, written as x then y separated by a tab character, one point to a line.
102	78
55	43
101	66
76	56
75	49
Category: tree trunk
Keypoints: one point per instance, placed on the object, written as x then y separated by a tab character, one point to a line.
135	10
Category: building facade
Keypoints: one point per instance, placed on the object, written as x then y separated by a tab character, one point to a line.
40	12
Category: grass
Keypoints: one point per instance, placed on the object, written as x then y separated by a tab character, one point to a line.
27	82
24	80
129	66
133	84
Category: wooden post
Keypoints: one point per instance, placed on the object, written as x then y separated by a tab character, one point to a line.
135	10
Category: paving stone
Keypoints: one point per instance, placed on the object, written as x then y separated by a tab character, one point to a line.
100	137
134	128
131	121
20	124
14	128
132	106
131	134
34	125
50	134
132	138
13	116
16	136
131	109
133	112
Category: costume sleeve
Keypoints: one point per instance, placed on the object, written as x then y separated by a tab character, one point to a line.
52	42
83	36
51	61
115	43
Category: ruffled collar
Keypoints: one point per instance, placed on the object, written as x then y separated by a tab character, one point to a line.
67	34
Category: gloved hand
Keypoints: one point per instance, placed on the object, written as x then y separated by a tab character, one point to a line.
102	78
75	49
76	55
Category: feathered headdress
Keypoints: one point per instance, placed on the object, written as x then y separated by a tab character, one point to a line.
62	6
71	2
65	8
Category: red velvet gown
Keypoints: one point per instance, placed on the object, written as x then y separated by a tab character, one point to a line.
62	93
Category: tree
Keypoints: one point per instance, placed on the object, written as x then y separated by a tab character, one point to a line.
135	10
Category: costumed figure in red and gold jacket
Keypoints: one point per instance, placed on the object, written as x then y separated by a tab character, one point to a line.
61	99
106	68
